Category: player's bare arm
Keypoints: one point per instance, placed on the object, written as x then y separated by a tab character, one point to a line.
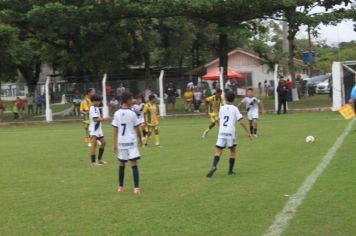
243	125
114	145
102	119
262	108
139	136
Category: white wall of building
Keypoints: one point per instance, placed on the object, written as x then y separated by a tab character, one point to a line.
245	63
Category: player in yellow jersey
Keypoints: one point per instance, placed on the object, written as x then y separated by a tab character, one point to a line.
213	103
151	119
84	109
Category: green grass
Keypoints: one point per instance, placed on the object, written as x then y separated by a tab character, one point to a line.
8	116
48	188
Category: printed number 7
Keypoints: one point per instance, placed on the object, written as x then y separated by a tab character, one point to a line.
226	118
123	129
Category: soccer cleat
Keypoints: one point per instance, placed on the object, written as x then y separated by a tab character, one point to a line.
205	133
231	173
120	189
137	191
211	172
95	164
102	162
255	135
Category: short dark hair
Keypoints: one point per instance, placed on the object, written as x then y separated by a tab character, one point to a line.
96	98
250	89
230	96
151	97
126	96
90	90
218	90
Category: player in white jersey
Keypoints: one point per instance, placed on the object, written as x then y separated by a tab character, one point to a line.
253	107
96	131
126	136
228	116
138	108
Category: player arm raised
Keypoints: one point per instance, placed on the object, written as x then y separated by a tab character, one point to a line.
243	125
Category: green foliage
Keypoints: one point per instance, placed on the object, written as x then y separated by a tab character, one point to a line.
8	45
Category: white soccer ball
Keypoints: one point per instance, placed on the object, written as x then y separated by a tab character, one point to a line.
310	139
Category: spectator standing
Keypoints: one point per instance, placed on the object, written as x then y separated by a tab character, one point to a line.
188	98
108	89
76	105
39	102
190	85
15	110
119	91
2	109
282	91
228	85
30	102
20	103
113	105
171	92
260	89
198	98
289	86
266	88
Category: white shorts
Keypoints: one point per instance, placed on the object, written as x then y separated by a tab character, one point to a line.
129	154
252	115
223	142
97	133
141	120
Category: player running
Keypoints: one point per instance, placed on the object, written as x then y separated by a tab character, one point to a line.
138	108
151	119
96	131
126	135
213	103
253	107
84	109
229	115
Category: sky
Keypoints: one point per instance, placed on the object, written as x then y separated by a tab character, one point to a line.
343	32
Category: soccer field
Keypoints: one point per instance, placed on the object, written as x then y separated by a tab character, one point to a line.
49	188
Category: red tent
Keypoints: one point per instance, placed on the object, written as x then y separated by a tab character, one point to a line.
215	75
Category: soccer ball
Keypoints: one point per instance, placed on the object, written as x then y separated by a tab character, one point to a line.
310	139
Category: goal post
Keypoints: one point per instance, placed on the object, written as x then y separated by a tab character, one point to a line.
342	81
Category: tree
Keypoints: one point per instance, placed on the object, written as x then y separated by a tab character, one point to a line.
300	14
8	45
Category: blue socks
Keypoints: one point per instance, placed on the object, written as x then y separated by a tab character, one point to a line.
215	161
135	176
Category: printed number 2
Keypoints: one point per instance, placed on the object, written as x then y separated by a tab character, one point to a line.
226	118
123	129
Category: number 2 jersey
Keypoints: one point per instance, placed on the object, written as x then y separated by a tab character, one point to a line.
229	115
126	121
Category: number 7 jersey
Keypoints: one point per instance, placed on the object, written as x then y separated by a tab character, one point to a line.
229	115
126	121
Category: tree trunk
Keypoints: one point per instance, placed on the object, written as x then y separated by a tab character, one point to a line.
31	75
291	65
223	52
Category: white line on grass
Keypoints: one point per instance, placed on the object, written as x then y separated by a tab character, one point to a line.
283	218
